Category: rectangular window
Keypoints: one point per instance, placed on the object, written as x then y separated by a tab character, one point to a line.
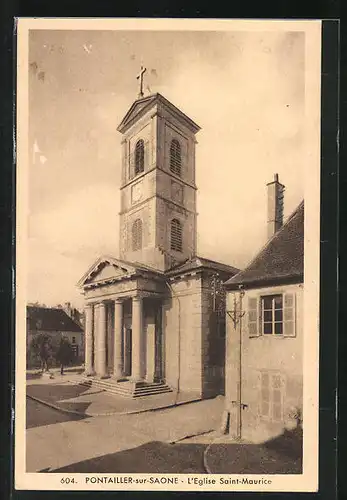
272	314
271	397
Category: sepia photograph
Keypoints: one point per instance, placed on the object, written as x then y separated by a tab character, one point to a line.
167	295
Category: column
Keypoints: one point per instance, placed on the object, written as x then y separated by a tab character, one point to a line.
109	348
88	340
151	341
117	346
137	327
101	341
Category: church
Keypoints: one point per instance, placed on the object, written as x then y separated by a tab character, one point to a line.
155	314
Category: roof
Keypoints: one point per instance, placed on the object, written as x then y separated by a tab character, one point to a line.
282	257
141	106
51	319
197	262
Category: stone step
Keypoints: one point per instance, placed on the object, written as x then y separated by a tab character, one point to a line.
138	390
126	388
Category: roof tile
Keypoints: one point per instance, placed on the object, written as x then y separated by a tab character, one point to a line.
50	319
200	262
281	258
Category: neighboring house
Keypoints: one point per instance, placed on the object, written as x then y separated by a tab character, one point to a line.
264	378
73	312
54	323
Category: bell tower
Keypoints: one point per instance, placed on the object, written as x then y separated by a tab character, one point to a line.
158	191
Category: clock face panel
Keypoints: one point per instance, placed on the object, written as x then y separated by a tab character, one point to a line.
177	192
136	192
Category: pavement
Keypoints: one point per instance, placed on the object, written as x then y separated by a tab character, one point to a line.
65	393
223	455
70	442
127	437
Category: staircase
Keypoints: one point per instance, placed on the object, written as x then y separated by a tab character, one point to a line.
127	388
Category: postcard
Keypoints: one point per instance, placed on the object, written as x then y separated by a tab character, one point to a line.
167	292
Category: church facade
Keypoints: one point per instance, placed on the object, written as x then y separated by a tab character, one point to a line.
155	316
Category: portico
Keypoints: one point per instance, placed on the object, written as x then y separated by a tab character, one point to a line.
123	339
123	326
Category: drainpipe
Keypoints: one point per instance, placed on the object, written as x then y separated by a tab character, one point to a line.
236	314
239	384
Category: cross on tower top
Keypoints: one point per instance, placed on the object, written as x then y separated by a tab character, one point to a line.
140	78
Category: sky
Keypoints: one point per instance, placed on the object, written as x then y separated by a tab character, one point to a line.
245	89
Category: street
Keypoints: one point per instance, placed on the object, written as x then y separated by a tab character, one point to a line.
149	442
116	443
38	415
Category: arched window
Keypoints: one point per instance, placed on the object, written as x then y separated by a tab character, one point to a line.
139	157
176	235
175	157
136	233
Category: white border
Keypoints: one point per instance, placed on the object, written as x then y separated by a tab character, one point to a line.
308	481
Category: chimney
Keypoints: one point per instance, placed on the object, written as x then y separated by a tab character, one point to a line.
67	308
275	193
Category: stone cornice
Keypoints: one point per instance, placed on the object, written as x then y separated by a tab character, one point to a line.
122	296
167	200
192	185
126	277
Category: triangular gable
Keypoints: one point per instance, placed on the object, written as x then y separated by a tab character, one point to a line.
105	269
135	110
141	106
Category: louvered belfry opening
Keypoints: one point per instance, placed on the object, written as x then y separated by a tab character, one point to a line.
137	235
176	235
139	157
175	157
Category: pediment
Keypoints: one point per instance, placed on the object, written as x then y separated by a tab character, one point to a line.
106	272
135	111
106	269
141	106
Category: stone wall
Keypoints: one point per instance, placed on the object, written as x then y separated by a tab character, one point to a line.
166	211
213	344
195	352
182	327
273	356
169	127
147	214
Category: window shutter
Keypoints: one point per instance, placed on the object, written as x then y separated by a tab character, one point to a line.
289	313
277	397
139	156
265	395
259	392
253	317
175	157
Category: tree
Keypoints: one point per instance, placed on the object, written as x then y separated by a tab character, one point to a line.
36	304
41	346
65	354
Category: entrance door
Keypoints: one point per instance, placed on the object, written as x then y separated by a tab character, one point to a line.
127	351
